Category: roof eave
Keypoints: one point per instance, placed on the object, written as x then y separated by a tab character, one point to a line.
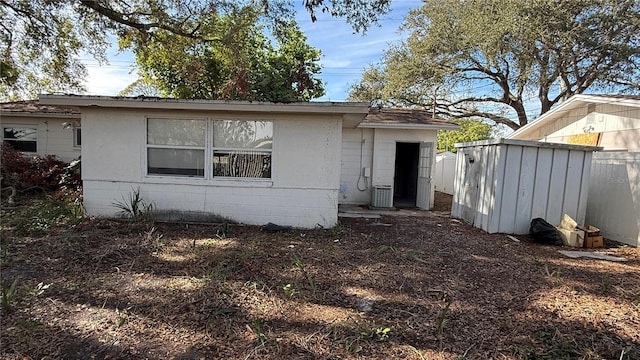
33	114
409	126
529	143
204	105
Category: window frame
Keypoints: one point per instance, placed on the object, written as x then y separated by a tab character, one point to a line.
77	130
240	150
28	126
177	147
209	150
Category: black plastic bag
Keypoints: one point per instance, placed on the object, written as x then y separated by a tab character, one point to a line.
544	233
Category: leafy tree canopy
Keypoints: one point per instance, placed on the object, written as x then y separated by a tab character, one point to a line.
470	130
488	58
242	65
41	41
141	87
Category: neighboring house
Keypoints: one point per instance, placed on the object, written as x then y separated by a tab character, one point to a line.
37	129
609	121
612	122
289	164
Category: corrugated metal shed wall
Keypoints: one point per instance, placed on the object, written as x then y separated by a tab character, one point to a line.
614	196
500	185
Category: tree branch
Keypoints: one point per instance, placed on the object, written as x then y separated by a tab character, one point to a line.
494	117
125	19
476	99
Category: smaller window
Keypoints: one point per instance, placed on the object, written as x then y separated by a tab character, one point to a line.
77	137
21	138
175	147
241	163
242	148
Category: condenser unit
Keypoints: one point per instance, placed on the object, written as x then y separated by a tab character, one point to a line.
382	196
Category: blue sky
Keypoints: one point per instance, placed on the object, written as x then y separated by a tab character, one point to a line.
344	57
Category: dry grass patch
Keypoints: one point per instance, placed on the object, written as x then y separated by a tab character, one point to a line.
424	288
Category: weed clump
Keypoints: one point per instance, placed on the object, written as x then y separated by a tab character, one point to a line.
41	214
134	207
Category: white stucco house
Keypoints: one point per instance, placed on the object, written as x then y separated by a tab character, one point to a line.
37	129
252	162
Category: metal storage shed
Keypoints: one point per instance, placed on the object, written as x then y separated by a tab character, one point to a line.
500	185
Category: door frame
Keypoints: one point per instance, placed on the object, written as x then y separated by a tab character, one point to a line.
425	169
425	157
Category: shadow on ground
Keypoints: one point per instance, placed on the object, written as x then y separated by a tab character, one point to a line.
424	287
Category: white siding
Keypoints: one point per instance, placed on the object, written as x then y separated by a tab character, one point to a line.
378	154
384	153
619	126
357	153
614	196
303	190
53	138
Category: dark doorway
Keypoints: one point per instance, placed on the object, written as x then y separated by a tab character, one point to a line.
405	183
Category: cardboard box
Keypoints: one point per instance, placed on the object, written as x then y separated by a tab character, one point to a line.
592	237
591	230
573	238
594	241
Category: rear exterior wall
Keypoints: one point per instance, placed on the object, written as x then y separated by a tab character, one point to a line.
375	149
357	154
53	137
302	192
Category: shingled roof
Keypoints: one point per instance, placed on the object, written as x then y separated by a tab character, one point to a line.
34	107
405	118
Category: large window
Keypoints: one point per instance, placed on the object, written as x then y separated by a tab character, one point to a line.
176	147
21	138
242	148
209	148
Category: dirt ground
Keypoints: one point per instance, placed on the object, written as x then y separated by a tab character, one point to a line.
424	287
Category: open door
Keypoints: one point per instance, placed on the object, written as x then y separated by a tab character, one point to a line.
405	177
423	197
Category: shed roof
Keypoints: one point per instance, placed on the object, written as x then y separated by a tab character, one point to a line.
404	119
34	107
527	143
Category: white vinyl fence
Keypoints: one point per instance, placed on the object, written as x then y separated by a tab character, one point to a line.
444	172
614	196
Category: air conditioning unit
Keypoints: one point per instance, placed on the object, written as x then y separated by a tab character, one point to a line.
382	196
